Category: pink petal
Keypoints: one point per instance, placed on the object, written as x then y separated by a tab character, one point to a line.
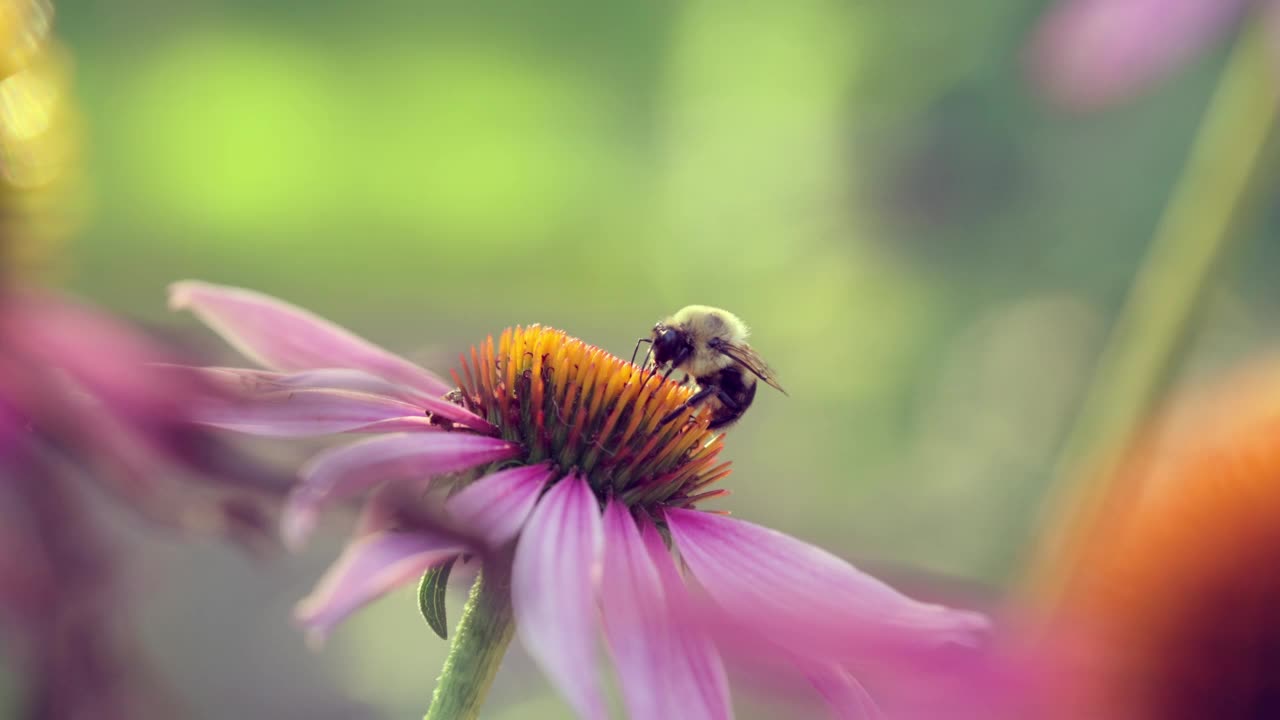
409	423
1090	53
634	616
349	470
12	429
660	675
446	409
805	599
497	505
98	354
702	685
281	336
844	695
360	381
247	385
252	381
369	568
553	589
301	413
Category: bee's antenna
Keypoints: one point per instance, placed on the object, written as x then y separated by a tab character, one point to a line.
637	350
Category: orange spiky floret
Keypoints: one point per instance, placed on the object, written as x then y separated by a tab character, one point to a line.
581	407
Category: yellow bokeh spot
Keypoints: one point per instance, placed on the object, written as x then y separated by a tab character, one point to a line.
37	135
24	28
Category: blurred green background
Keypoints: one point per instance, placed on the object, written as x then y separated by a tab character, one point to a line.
928	255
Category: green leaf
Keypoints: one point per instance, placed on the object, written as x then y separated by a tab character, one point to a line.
431	597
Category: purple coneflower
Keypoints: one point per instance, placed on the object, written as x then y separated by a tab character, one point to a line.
558	472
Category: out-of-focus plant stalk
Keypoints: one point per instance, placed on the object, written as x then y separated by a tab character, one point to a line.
482	637
1226	166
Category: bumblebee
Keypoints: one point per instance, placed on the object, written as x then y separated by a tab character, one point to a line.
710	345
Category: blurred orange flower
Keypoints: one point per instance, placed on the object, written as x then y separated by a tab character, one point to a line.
1179	595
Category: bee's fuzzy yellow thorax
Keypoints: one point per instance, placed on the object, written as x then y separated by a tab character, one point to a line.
701	324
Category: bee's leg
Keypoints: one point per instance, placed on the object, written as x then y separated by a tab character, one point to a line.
636	352
698	397
726	399
667	375
647	372
730	411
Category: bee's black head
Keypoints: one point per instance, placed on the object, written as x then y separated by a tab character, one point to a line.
671	346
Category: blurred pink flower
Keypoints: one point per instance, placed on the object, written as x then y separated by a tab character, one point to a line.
557	468
62	603
1091	53
83	419
81	390
80	404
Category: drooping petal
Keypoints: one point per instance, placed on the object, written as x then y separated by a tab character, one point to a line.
805	599
282	336
12	427
253	381
844	695
302	413
409	423
497	505
699	682
1089	53
360	381
661	674
400	507
247	385
349	470
553	591
97	352
634	610
368	568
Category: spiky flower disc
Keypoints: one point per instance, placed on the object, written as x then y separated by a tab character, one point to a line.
587	410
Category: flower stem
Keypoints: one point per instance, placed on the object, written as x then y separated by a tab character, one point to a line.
1198	224
479	643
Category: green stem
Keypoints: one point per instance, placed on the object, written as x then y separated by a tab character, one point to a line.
479	643
1156	321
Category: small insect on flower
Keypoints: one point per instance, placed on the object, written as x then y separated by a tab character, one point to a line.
710	345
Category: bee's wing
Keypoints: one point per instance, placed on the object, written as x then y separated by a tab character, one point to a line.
751	360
